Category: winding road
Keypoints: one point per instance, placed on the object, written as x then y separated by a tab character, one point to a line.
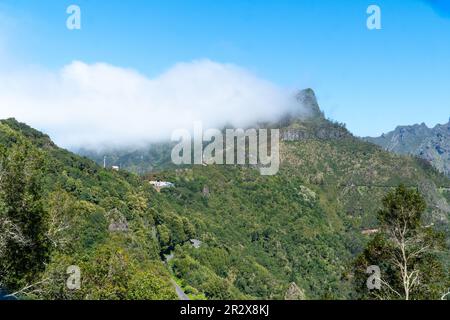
180	293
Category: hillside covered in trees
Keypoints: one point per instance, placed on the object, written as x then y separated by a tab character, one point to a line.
59	210
294	235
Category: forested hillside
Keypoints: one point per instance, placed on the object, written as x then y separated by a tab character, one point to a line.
76	205
294	235
304	226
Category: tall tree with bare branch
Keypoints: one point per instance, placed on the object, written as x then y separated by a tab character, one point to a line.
406	252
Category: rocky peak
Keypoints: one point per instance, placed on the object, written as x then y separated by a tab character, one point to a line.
307	98
309	122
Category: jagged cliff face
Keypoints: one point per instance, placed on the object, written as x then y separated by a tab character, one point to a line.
313	124
431	144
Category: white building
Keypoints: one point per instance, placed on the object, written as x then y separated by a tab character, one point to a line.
158	185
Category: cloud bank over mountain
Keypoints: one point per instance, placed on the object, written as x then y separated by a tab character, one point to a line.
103	105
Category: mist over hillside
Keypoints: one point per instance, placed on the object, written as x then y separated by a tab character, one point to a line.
303	120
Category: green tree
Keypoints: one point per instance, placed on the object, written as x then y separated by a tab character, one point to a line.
405	251
22	217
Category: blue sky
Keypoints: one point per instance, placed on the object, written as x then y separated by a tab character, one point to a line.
371	80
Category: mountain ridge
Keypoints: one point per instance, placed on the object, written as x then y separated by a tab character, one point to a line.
429	143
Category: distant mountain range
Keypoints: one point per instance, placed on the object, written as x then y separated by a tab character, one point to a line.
431	144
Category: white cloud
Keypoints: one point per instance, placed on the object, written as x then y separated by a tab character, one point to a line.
100	104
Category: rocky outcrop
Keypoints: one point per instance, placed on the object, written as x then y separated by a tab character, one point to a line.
294	293
117	221
323	132
307	98
309	121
